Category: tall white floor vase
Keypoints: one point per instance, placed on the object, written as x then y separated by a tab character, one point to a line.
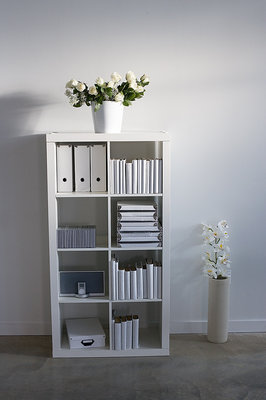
108	119
218	310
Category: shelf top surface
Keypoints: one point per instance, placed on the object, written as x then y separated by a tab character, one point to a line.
127	136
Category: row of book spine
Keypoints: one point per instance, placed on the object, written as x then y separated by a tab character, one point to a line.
126	332
138	282
76	237
140	176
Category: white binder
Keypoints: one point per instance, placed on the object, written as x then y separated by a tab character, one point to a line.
98	167
82	168
64	168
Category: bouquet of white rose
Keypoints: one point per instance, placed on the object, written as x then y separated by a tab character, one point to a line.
80	93
216	257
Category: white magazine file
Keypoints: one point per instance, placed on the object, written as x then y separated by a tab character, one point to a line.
64	168
82	168
98	167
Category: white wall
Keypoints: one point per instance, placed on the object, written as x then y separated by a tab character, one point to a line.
206	61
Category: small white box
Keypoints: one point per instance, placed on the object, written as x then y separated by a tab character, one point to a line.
85	333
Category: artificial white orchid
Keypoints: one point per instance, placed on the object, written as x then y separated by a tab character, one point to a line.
217	254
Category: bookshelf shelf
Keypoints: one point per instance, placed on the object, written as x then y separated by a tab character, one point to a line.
99	209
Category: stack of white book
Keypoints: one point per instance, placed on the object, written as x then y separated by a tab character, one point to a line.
138	225
139	176
142	281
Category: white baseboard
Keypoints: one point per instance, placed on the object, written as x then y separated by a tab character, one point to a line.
234	326
25	328
44	328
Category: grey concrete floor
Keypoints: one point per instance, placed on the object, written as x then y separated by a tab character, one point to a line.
195	370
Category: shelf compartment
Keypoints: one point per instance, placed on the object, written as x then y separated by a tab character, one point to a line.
98	309
85	211
114	221
85	261
150	325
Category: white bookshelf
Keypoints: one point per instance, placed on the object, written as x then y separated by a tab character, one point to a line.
154	313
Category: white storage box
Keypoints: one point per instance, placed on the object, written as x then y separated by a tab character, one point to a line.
85	333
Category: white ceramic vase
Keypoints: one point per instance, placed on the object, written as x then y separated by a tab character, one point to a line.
108	119
218	310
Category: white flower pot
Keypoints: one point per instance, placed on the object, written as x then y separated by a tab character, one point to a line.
218	310
108	119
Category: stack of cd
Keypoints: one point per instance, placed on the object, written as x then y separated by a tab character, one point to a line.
76	236
138	225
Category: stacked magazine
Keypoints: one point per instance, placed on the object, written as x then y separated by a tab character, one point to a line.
138	225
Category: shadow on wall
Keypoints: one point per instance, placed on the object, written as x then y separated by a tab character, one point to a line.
23	214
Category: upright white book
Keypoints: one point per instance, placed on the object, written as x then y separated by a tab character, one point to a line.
151	176
127	283
112	177
64	161
113	279
135	328
147	189
129	178
129	331
139	183
149	266
123	333
133	284
159	277
155	282
140	282
160	176
122	176
116	177
82	168
118	334
121	284
134	176
144	176
156	176
98	167
145	288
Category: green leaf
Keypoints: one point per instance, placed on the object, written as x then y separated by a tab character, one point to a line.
77	105
97	106
126	103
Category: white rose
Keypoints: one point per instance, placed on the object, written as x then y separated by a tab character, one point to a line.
93	90
119	97
145	79
80	87
139	89
115	77
111	84
130	77
100	81
133	85
71	84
